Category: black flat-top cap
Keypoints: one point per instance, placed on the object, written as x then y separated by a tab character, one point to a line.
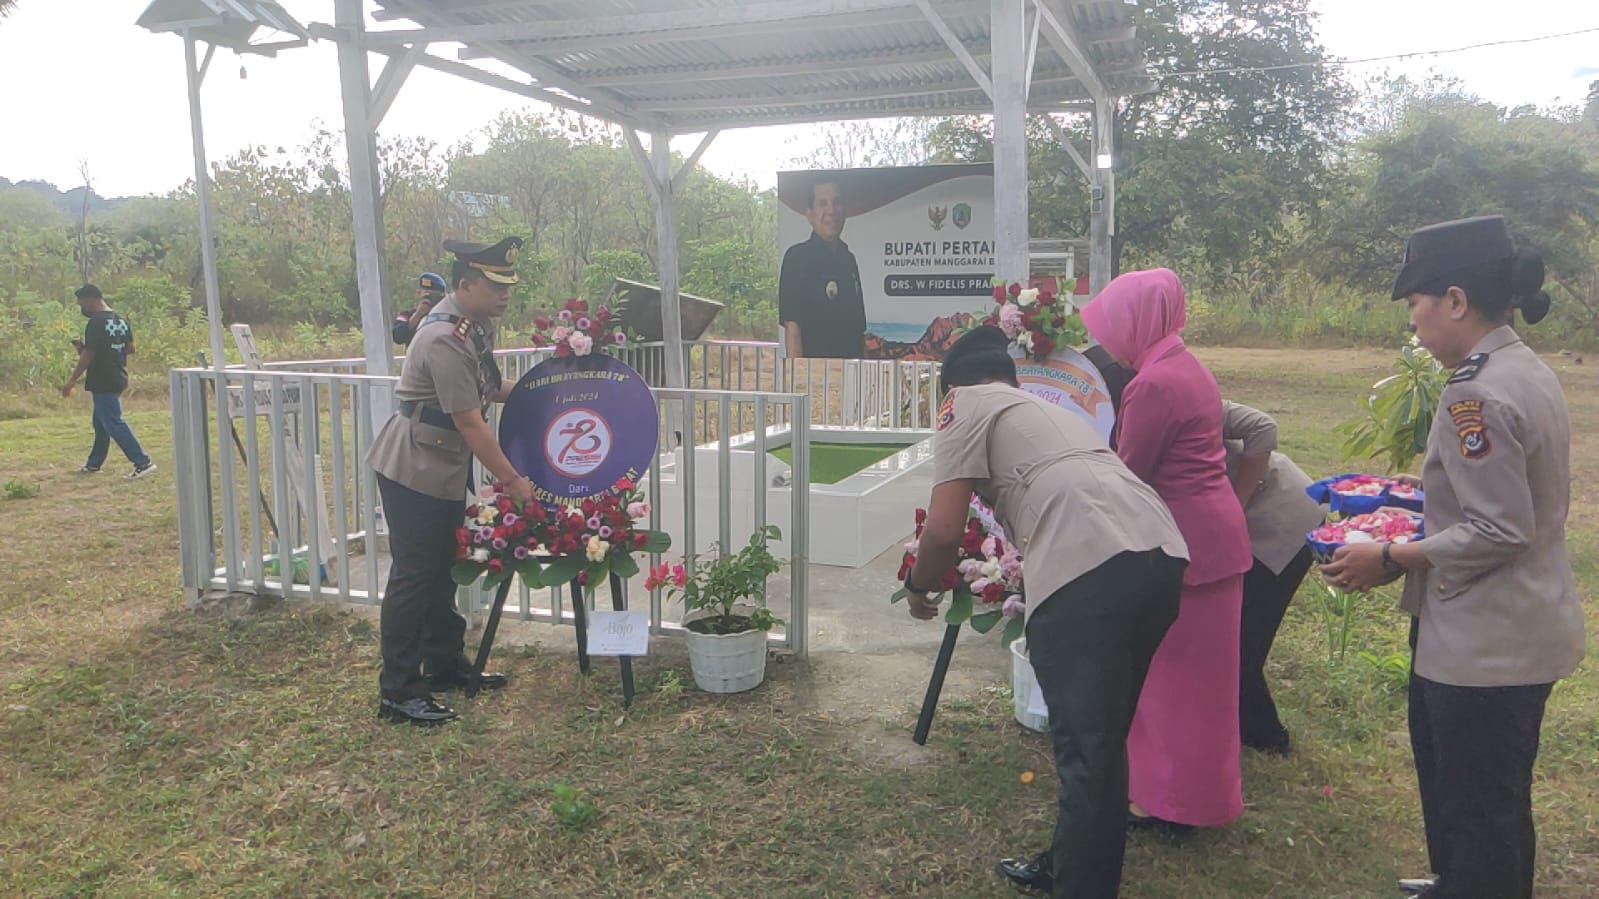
1442	249
497	261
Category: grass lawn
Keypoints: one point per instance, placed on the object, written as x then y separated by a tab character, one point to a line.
150	751
833	462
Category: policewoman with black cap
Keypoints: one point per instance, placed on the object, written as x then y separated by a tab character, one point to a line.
1103	562
430	288
423	459
1497	619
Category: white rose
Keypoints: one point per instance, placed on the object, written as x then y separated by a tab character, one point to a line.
597	549
1025	340
1027	297
480	555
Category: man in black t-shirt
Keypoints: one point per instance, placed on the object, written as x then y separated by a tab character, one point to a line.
103	355
819	298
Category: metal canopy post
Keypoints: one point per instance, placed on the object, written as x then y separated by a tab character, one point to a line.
1102	187
361	147
1008	61
213	305
666	186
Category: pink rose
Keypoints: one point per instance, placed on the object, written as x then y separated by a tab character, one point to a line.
1014	606
637	510
582	344
1010	320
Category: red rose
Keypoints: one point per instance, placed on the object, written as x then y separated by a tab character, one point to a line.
463	536
972	543
471	511
1015	289
504	505
921	517
1042	347
625	484
994	592
461	553
496	566
951	580
640	539
589	507
999	293
905	567
542	323
563	350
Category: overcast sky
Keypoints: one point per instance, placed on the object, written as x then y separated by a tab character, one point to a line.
79	81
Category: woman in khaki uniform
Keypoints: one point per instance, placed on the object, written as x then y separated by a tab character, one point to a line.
1279	513
1497	616
1103	564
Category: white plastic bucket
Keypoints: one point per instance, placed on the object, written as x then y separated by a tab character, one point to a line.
1027	699
727	663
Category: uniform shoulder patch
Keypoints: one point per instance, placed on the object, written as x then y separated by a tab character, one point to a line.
1470	428
463	329
1468	369
946	412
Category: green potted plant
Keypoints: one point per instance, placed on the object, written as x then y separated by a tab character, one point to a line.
726	619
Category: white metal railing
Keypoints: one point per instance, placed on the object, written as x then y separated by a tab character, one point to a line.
302	518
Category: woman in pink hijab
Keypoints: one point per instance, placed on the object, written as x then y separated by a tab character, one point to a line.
1183	748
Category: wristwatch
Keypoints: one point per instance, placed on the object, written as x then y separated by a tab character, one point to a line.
912	588
1388	563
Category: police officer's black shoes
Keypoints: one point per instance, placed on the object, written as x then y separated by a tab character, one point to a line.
459	679
422	711
1028	875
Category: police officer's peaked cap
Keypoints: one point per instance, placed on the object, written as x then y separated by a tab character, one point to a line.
432	282
1440	250
497	262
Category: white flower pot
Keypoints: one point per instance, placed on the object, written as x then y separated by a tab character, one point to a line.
726	663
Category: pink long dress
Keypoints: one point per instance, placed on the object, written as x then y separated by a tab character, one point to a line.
1183	747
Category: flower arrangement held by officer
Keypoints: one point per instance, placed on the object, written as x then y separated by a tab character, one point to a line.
423	459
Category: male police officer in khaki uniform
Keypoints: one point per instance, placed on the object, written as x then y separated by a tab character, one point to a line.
1497	615
423	460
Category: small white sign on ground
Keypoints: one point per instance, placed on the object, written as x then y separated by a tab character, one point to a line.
625	633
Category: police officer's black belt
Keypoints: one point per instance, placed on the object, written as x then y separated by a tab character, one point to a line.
428	415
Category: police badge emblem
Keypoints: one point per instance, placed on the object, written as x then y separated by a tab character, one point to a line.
832	290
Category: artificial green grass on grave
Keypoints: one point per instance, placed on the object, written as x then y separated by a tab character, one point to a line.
833	462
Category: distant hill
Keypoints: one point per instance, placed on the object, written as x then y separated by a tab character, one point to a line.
69	202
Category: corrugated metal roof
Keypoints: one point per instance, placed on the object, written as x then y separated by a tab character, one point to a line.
692	65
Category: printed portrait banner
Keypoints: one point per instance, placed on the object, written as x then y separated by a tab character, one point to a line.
577	425
922	241
1070	381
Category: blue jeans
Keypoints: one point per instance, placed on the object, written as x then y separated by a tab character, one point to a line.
109	426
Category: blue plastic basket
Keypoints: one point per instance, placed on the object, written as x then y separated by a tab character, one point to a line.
1343	504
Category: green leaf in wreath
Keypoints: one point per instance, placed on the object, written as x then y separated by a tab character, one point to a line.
1014	629
465	573
531	571
984	622
960	608
597	572
657	541
899	594
624	566
562	570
